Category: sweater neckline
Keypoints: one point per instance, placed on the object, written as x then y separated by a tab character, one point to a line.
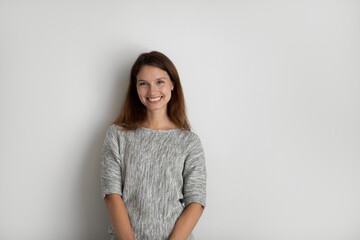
160	131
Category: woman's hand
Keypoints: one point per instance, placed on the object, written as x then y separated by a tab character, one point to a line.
119	217
187	221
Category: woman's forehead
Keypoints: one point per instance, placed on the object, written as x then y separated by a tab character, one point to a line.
151	73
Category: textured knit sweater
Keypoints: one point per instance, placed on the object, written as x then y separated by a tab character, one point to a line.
158	173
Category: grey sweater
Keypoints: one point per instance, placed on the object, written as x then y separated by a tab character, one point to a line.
158	173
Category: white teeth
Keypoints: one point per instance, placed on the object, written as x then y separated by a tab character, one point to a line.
154	99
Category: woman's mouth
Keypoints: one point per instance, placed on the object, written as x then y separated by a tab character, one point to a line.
154	100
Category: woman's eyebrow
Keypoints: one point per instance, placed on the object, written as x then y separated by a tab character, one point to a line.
155	79
141	80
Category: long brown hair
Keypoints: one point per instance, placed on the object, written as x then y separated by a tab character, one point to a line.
133	112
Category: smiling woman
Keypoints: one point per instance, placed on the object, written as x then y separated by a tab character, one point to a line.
153	173
151	72
155	92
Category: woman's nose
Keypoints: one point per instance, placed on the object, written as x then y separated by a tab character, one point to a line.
152	88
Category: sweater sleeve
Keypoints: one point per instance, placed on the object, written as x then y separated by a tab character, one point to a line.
110	167
194	175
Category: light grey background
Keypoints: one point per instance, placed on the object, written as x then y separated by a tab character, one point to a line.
272	89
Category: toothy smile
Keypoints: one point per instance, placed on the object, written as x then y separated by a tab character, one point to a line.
154	99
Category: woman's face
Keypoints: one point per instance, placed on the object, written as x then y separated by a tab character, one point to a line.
154	87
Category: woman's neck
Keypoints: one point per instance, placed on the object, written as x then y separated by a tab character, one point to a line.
158	121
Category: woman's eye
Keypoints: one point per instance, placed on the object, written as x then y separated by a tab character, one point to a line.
141	84
160	82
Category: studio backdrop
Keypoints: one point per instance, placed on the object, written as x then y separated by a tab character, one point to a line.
272	88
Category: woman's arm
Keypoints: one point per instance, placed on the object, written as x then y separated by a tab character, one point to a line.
187	221
119	217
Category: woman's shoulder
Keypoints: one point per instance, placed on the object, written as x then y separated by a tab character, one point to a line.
115	130
191	136
118	128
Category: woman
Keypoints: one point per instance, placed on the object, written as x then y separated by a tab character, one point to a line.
153	173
